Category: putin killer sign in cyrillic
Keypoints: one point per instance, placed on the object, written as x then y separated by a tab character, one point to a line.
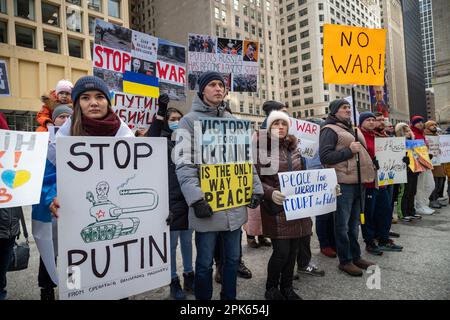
353	55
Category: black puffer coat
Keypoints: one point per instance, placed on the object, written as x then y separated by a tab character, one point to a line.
177	204
10	222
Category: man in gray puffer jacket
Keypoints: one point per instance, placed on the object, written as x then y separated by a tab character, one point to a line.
9	230
208	225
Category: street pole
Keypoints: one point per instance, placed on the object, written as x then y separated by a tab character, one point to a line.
358	165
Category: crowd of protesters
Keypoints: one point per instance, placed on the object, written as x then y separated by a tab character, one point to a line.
84	109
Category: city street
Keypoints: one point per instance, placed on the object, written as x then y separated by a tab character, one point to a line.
421	271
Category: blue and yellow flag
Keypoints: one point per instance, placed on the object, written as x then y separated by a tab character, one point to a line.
140	84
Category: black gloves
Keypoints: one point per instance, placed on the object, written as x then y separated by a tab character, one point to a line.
202	209
375	163
431	156
163	101
255	200
169	219
406	160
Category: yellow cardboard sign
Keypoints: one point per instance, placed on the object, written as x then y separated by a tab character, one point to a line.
227	185
353	55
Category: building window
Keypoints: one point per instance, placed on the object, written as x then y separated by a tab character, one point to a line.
326	99
306	56
293	60
25	37
245	10
218	31
95	5
224	16
236	5
91	25
50	14
3	6
224	32
238	35
250	108
305	45
306	112
308	101
260	34
76	2
114	8
292	27
289	7
253	30
3	32
303	12
246	26
216	13
294	70
297	103
292	38
321	17
295	92
307	90
311	112
73	19
307	78
304	34
270	35
295	82
320	6
24	9
306	67
303	23
326	110
52	42
241	106
236	21
293	49
75	48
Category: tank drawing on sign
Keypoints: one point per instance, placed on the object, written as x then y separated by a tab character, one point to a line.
108	223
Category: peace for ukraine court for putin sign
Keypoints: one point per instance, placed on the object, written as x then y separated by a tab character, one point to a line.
113	239
138	67
353	55
226	172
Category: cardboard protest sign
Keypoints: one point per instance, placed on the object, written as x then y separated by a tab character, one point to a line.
237	60
307	134
444	145
226	157
308	193
227	185
389	153
139	67
353	55
4	83
419	160
22	164
434	149
113	239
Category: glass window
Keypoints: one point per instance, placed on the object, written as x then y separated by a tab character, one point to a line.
52	42
25	37
293	49
3	32
216	13
73	19
91	25
50	14
77	2
24	9
291	27
303	23
75	48
236	21
3	6
303	12
236	5
95	5
224	16
114	8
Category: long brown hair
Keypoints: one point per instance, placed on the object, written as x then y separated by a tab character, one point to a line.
76	128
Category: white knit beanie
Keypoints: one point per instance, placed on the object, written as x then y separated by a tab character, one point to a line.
64	85
277	115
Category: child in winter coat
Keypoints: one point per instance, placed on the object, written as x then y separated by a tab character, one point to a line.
60	95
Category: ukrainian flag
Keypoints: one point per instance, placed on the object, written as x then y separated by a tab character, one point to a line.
140	84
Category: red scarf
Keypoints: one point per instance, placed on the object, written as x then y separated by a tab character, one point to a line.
106	127
418	134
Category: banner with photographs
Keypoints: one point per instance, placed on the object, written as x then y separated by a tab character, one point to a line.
237	60
137	68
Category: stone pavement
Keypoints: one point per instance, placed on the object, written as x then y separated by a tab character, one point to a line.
421	271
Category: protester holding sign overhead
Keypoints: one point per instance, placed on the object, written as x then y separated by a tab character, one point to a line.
338	150
209	225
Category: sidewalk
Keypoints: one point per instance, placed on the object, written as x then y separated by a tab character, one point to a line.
421	271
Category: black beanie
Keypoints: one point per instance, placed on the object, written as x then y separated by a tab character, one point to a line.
336	104
272	105
89	83
206	78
